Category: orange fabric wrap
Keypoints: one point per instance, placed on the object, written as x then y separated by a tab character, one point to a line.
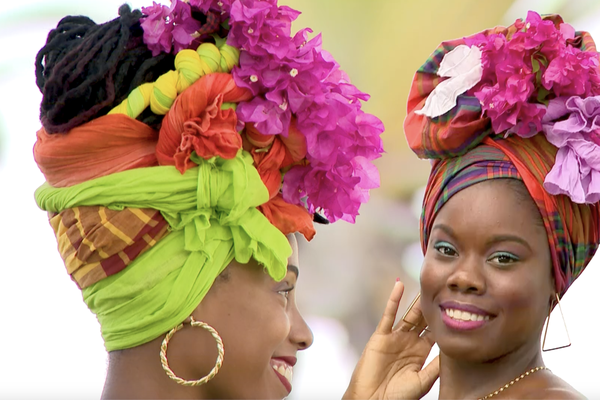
103	146
271	154
196	122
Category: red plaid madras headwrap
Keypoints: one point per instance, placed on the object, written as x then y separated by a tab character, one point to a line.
467	151
572	229
463	127
96	242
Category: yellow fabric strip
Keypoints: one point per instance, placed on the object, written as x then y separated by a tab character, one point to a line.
190	66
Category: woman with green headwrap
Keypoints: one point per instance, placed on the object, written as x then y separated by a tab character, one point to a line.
183	147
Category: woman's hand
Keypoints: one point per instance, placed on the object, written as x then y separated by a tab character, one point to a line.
391	366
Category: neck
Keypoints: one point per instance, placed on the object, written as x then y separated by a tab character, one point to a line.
460	379
137	373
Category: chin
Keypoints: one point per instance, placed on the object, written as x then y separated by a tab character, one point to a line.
465	349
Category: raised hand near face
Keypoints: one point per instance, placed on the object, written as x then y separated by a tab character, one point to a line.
391	365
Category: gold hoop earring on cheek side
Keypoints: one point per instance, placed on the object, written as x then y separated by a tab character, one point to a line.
165	362
544	349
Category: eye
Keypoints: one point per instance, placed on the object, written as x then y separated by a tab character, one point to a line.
503	258
445	249
285	292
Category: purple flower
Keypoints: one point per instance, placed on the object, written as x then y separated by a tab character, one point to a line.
157	34
294	76
338	192
369	133
539	33
576	172
167	26
261	27
535	65
184	25
271	116
218	6
573	73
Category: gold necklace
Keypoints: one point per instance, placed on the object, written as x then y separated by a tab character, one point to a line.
509	384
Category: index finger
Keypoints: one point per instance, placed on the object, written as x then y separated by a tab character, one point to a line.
391	309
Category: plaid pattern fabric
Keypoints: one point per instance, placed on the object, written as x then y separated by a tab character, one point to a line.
573	229
463	127
96	242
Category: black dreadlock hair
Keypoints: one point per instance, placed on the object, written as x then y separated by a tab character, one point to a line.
85	69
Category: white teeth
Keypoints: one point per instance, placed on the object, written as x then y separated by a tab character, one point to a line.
284	370
465	316
288	374
281	370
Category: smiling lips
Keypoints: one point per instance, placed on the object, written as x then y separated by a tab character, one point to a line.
463	317
284	371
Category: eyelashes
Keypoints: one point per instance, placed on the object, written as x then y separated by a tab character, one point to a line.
501	258
445	249
286	292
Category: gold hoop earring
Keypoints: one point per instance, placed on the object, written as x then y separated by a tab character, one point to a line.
544	349
212	373
409	309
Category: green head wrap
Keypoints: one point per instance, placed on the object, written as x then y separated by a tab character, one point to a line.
211	210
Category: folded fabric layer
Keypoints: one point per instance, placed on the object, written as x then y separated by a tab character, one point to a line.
105	145
211	210
96	242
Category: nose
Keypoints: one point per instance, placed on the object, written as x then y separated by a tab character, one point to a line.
467	276
300	333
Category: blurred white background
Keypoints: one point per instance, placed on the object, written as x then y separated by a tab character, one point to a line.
51	344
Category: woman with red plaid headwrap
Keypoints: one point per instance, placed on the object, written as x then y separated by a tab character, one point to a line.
510	215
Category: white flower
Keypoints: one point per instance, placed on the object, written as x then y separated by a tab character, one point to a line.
463	66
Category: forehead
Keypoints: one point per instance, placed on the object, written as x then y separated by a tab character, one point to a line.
293	259
492	206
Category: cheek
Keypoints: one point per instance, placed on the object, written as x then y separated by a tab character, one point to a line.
518	295
432	281
253	331
264	324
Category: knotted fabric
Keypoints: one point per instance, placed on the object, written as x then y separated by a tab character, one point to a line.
212	214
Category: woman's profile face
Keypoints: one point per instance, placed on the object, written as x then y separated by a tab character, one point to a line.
486	281
261	328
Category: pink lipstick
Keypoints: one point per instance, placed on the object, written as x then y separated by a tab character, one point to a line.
463	317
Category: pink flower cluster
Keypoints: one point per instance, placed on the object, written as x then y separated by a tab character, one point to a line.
290	76
522	74
294	76
165	27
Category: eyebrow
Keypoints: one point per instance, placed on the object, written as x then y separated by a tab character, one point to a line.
509	238
444	228
294	269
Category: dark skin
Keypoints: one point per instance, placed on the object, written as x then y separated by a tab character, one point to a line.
259	323
487	249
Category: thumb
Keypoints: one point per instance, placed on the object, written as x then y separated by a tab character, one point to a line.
429	374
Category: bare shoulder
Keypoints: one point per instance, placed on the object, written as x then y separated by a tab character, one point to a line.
553	387
561	394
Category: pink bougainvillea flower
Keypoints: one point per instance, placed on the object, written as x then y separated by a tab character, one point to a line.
573	73
299	91
157	33
218	6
